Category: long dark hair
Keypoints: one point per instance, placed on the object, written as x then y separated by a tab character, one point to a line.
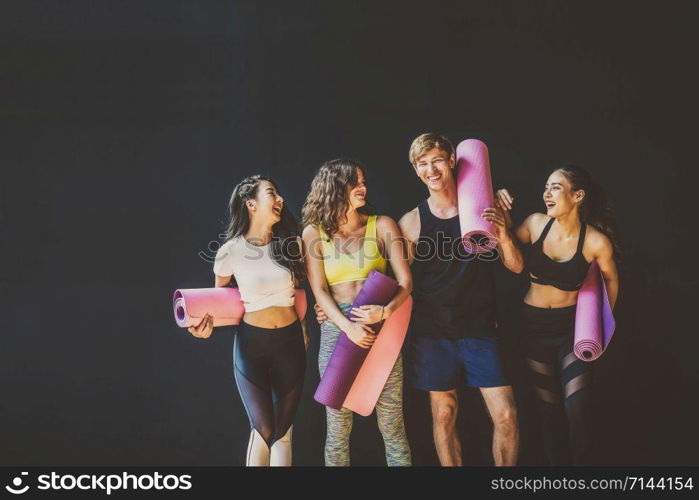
286	243
596	209
328	201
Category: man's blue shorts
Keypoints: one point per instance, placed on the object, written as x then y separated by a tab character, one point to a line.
442	364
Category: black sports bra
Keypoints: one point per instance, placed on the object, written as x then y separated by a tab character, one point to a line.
568	275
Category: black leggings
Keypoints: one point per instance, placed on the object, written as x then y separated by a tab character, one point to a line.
269	365
561	381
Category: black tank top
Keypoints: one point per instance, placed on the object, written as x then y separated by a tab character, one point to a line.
567	276
453	291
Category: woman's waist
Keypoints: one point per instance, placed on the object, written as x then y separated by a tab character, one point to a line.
550	297
271	317
544	320
345	292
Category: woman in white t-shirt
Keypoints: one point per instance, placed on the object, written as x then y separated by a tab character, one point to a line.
263	256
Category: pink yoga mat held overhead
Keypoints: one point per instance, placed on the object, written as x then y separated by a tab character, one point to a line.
378	364
594	321
191	304
474	189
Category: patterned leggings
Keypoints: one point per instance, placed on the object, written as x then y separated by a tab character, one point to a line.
389	409
563	384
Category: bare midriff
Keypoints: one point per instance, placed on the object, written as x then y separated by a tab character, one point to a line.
271	317
346	292
549	297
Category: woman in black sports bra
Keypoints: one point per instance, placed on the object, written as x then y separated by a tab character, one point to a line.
578	227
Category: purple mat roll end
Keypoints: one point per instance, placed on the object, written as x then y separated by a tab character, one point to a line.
179	309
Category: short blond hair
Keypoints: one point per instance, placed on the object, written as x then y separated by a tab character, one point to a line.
428	141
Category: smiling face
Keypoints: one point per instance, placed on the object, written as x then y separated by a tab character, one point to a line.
559	196
267	203
435	168
357	194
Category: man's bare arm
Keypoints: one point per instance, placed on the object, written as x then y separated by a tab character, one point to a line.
409	226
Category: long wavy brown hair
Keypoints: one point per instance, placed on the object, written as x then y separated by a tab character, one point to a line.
327	202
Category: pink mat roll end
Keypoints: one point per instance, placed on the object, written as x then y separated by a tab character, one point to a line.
191	304
476	242
594	320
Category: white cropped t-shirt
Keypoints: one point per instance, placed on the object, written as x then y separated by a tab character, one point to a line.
261	281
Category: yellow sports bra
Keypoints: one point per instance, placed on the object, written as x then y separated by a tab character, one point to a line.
341	267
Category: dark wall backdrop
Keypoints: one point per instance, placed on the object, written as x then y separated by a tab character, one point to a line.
127	124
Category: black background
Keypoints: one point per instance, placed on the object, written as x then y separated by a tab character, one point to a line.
126	125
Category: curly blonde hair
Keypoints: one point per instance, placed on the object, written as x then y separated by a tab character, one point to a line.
328	201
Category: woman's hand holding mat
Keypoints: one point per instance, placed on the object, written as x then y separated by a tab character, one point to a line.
320	314
204	329
497	218
368	315
364	336
361	335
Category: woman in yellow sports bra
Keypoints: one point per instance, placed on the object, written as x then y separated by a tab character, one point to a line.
344	240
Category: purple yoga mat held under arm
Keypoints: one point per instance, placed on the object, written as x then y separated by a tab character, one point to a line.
347	357
594	321
474	189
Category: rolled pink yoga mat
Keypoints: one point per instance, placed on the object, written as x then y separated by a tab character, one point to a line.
191	304
378	364
347	357
594	321
474	189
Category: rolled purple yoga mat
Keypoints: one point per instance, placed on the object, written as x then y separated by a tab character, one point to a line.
594	321
347	357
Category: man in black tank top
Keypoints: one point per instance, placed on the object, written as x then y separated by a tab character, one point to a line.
452	337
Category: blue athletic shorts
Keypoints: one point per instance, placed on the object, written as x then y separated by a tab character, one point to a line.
442	364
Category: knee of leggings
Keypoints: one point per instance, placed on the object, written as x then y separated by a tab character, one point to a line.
391	426
283	435
339	423
266	433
